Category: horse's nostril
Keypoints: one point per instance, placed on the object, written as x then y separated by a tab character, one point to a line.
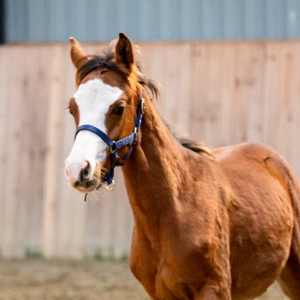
84	173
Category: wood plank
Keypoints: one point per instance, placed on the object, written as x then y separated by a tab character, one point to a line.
54	132
198	94
6	78
32	102
285	81
212	98
12	194
294	118
38	93
270	95
248	93
227	93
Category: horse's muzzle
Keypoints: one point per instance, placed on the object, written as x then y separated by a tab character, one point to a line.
80	176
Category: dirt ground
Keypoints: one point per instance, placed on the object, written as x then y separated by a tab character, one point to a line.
77	280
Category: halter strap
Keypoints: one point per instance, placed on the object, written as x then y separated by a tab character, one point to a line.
115	145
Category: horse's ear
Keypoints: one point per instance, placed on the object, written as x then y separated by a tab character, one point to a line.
77	55
124	52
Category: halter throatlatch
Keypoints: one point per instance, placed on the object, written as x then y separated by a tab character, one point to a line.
115	145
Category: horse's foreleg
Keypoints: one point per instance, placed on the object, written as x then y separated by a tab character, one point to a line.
141	262
218	284
214	292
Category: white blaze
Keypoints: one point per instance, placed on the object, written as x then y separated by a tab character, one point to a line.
93	99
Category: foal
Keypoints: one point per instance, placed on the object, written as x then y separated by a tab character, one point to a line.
209	224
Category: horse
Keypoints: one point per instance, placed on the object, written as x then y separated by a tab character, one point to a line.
209	224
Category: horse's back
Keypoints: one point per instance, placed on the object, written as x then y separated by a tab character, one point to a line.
263	207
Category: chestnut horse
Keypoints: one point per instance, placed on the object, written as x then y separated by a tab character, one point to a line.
209	224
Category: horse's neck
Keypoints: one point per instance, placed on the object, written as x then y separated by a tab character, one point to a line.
155	172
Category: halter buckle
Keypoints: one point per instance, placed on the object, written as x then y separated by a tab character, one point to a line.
113	148
143	105
110	186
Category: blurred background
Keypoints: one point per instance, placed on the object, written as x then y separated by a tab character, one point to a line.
229	71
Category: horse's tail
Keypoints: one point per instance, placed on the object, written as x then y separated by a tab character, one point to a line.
290	276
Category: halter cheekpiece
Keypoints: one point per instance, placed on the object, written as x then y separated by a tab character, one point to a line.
115	145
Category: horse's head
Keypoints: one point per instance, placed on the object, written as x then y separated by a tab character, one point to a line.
105	108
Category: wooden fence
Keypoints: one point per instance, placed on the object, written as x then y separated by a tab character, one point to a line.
220	92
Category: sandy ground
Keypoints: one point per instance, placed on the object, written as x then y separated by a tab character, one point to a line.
64	279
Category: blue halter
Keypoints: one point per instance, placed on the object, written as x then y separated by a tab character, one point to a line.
115	145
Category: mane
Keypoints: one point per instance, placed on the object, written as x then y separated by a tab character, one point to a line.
106	61
198	147
189	143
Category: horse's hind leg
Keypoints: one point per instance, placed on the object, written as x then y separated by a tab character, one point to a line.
289	278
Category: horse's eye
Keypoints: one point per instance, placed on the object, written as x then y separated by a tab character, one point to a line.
70	111
119	109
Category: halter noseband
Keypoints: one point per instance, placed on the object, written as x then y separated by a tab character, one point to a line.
115	145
